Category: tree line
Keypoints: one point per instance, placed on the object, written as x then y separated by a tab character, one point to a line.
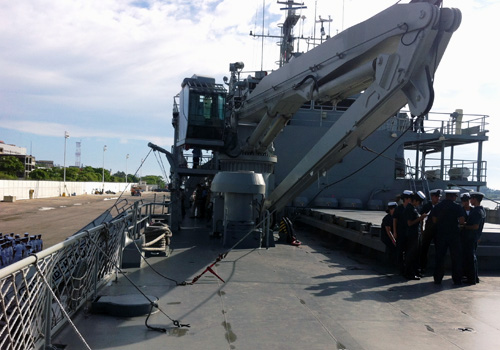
11	168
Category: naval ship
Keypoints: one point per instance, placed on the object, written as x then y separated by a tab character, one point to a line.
330	129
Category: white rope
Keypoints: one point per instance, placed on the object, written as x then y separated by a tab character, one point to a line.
160	249
154	240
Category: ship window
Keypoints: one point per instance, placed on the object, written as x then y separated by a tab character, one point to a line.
207	105
306	105
206	108
324	106
220	106
206	115
344	104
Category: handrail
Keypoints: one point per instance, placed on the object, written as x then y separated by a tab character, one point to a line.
75	269
440	123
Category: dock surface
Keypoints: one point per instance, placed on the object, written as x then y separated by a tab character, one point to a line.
315	296
57	218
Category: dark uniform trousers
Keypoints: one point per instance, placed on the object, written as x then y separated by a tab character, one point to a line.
469	243
427	237
412	242
443	241
470	239
412	249
447	215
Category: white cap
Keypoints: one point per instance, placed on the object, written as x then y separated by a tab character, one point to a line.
452	192
435	192
407	194
392	204
421	195
475	194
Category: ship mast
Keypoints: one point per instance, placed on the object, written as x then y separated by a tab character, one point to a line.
286	37
286	47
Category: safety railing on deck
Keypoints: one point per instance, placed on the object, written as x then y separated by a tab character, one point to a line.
456	170
39	290
204	161
439	123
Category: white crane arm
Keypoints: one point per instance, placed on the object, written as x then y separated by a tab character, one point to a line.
403	35
402	65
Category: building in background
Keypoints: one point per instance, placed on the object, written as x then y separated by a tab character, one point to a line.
45	164
10	150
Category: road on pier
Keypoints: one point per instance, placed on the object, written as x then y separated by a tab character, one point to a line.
58	218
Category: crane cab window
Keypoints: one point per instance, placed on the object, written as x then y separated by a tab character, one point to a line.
205	116
206	108
201	112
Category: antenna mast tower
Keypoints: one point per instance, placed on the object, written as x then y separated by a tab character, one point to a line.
78	154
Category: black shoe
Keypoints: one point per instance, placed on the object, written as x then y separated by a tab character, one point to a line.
437	282
412	278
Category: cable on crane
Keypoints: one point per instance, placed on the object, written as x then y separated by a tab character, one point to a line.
162	166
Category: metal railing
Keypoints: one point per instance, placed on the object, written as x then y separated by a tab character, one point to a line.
456	169
440	123
68	274
205	160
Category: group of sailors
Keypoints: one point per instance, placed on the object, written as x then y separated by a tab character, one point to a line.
200	203
409	228
14	247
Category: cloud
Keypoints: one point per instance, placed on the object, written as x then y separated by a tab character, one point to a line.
110	68
82	57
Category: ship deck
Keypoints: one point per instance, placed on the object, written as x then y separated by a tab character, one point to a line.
363	227
315	296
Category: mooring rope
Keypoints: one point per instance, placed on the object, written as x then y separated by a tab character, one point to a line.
222	256
157	272
152	303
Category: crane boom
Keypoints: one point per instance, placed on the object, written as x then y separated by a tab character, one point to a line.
388	61
391	58
346	64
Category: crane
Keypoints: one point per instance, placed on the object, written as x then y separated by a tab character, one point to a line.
389	60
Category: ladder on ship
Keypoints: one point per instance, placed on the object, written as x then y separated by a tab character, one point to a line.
413	181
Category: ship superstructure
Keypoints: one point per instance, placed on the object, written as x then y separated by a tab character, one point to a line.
327	128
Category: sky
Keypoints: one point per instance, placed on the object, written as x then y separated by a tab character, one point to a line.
106	71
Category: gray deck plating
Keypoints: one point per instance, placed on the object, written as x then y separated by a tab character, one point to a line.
310	297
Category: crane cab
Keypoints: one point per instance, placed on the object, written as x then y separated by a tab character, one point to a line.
201	113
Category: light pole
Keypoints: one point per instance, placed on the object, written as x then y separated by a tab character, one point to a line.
66	137
140	172
103	150
126	163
